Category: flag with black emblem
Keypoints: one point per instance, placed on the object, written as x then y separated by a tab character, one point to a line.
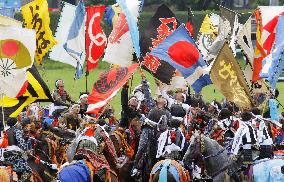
161	25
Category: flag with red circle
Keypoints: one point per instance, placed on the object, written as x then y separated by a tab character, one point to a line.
181	52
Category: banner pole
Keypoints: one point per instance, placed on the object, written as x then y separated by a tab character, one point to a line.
3	114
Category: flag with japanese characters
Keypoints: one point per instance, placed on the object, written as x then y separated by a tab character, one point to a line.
161	25
95	37
36	16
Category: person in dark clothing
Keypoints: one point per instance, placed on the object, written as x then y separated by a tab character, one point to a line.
129	107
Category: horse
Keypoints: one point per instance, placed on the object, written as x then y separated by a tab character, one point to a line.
91	151
211	157
125	147
169	170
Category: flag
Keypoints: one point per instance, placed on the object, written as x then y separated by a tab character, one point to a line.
266	19
37	91
58	53
75	44
7	11
227	77
274	62
16	56
207	34
161	25
112	14
107	86
228	15
188	24
269	18
9	21
274	115
120	49
36	16
132	19
180	51
234	38
95	37
244	40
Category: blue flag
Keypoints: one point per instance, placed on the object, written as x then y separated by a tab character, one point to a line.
274	63
75	44
132	25
5	11
181	52
274	115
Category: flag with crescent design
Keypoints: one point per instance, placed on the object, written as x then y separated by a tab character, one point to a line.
181	52
36	16
37	91
16	56
107	86
95	37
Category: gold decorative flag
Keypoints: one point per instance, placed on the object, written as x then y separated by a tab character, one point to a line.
227	77
36	16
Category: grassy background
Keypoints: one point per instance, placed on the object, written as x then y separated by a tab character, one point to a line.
51	71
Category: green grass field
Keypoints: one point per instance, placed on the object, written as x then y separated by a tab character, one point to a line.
52	71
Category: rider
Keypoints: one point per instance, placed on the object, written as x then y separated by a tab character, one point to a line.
71	120
83	104
245	136
60	97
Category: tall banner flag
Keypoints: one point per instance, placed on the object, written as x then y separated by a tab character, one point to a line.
16	56
75	44
132	19
180	51
227	77
95	37
207	34
58	53
107	87
36	16
9	12
161	25
274	62
188	24
266	19
229	15
244	40
37	91
120	47
112	14
9	21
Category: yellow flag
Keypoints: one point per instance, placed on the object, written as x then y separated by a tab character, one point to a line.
228	77
36	16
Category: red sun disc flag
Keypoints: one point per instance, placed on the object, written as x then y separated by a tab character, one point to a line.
95	37
107	87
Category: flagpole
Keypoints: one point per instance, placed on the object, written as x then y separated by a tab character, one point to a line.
3	115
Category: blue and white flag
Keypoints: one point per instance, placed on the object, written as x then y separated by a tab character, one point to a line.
132	25
75	44
273	64
181	52
7	11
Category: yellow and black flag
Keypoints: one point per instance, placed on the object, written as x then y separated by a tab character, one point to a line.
37	91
